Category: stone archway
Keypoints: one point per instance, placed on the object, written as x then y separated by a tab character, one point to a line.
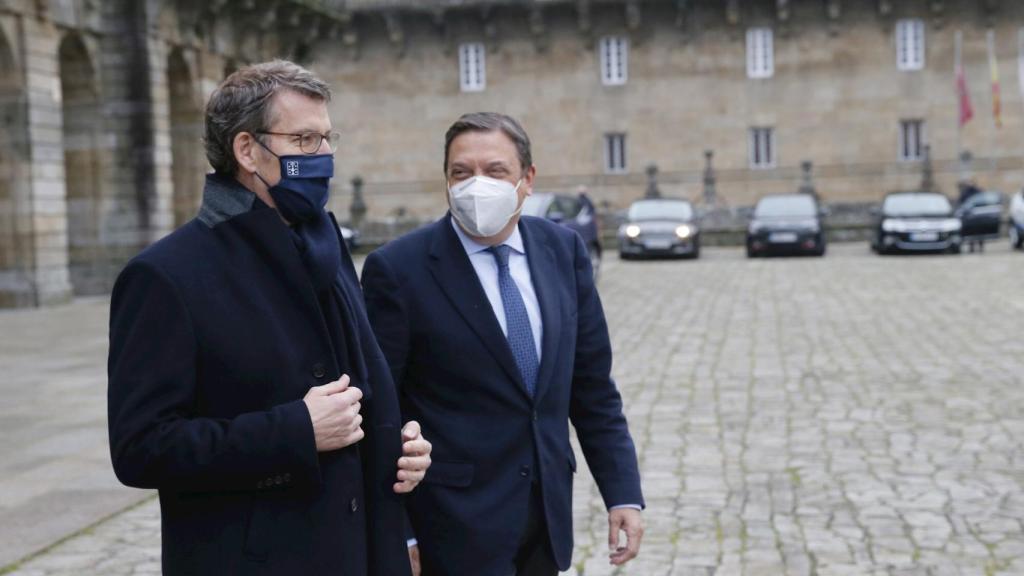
188	164
81	115
14	288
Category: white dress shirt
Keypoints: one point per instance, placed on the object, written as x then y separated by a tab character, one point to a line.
486	267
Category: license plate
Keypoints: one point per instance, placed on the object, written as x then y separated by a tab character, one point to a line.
782	237
657	244
924	236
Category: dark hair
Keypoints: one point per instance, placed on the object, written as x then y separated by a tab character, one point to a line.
488	122
242	103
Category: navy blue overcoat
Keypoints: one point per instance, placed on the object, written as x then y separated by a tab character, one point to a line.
457	376
215	337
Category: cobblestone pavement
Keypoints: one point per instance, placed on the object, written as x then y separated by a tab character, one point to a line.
838	416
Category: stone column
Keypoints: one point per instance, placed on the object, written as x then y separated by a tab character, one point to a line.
45	214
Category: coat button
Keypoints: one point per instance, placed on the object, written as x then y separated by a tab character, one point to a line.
354	506
524	471
534	415
318	370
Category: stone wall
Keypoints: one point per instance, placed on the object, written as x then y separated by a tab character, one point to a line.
836	98
101	106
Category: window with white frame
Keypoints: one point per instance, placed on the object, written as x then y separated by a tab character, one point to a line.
472	71
910	44
911	140
762	147
614	60
760	53
615	153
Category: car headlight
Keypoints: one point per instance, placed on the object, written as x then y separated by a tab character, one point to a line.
951	225
632	230
683	231
890	225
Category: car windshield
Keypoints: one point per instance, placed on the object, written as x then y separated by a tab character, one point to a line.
536	204
987	198
916	205
661	210
791	205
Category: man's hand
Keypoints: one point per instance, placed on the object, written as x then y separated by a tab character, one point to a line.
414	559
628	520
415	460
334	410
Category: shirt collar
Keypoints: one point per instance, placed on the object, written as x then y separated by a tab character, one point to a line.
515	241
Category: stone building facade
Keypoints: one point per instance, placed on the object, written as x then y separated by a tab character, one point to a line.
101	104
836	96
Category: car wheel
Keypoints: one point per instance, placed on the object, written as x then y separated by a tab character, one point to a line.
955	250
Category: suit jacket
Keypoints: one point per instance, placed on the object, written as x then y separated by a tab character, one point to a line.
215	337
456	375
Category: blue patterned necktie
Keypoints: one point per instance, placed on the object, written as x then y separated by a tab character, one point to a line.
520	335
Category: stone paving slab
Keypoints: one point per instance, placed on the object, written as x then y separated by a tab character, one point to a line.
55	473
852	415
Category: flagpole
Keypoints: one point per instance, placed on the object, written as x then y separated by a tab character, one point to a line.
960	123
958	120
1020	70
993	68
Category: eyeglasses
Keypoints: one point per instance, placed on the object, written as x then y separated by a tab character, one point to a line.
310	142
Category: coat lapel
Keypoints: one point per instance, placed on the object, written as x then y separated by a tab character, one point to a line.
269	236
452	270
541	260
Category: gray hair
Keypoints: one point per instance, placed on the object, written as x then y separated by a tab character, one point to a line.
242	103
488	122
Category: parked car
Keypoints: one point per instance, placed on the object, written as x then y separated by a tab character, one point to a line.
786	224
916	222
980	216
350	236
1015	224
660	227
575	211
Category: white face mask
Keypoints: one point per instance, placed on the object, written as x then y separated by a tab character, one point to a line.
482	205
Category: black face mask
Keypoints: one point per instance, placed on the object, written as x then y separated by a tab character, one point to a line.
301	196
304	187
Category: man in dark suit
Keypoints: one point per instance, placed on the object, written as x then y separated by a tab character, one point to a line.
244	380
496	339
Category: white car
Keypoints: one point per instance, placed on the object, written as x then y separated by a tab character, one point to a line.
1016	221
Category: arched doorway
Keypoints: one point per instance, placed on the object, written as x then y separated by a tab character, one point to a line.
81	115
12	267
188	164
